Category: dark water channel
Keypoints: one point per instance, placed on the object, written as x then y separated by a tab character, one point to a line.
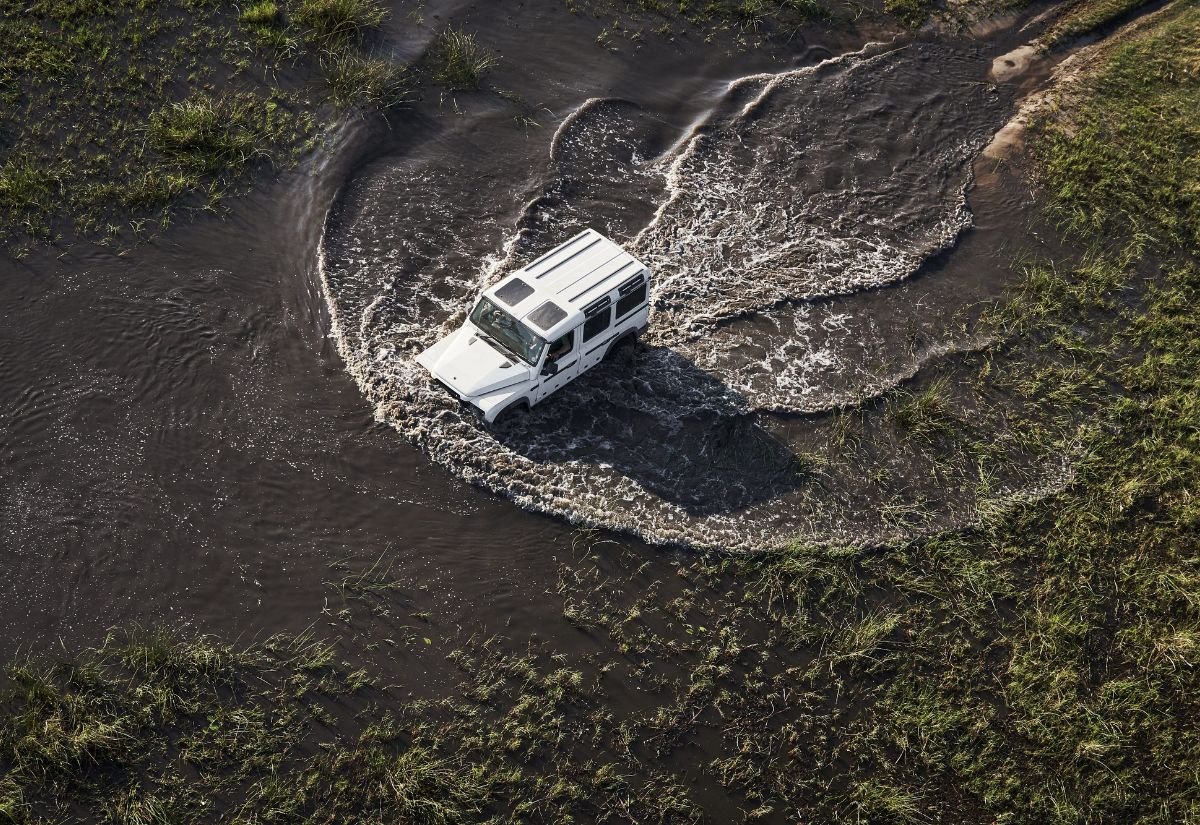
196	432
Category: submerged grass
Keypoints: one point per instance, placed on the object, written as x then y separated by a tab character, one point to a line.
928	412
208	134
97	141
366	80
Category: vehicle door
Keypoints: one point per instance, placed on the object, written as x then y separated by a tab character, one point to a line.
597	332
560	365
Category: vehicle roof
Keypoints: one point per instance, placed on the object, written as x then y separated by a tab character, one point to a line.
571	276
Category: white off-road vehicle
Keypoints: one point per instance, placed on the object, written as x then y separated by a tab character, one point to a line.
543	326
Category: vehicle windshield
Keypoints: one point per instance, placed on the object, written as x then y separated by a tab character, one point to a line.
507	331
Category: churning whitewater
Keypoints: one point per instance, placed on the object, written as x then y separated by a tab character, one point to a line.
757	220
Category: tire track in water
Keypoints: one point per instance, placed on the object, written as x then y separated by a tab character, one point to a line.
814	182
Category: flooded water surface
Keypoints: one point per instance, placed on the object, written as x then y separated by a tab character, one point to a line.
200	430
780	213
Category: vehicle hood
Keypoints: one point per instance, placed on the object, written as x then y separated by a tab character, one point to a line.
471	365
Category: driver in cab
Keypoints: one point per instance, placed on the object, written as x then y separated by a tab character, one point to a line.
558	349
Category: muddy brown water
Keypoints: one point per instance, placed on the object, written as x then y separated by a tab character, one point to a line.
196	432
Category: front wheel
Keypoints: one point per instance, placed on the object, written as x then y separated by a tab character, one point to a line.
511	408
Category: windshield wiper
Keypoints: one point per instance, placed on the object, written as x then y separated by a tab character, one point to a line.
498	346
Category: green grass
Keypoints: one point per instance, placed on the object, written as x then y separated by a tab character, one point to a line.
264	13
878	802
26	185
459	62
112	735
1126	163
265	23
928	412
208	135
1087	16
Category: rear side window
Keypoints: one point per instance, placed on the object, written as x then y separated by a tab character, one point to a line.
597	324
628	303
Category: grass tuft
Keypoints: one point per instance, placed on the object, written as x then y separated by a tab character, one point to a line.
927	413
262	13
264	22
878	801
133	807
459	61
372	82
805	10
26	184
333	24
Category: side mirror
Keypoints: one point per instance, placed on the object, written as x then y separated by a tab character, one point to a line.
550	368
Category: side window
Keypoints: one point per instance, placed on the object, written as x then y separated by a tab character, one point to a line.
561	346
597	324
632	301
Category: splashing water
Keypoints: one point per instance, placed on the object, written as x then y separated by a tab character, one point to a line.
810	183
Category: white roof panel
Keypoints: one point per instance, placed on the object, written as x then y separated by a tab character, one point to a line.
571	275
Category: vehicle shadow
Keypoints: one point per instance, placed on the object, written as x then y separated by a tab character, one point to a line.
653	416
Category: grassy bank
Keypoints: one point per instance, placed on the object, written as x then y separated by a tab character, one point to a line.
1086	16
1042	666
